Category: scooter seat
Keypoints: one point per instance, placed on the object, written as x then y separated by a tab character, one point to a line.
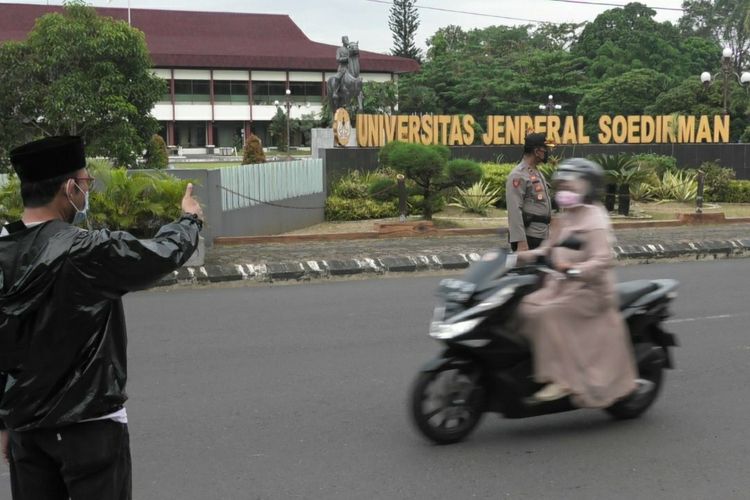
630	291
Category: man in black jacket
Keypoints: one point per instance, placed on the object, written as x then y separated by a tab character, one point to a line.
63	365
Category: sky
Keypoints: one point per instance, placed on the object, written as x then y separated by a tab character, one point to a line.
326	21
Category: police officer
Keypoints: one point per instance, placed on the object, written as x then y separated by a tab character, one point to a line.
529	206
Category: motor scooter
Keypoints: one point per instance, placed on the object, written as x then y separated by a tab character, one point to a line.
487	367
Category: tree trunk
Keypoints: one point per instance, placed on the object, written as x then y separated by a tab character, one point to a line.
427	204
623	200
609	197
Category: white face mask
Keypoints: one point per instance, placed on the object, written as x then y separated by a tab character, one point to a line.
81	213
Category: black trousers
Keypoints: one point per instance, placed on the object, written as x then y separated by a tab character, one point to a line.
532	242
86	461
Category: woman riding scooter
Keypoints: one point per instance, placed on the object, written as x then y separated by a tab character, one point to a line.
580	343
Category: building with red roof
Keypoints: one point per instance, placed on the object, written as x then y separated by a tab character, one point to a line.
226	73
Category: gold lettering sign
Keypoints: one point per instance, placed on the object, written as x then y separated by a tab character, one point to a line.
458	130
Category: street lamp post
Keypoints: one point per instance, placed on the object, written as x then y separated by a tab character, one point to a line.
288	106
550	107
726	72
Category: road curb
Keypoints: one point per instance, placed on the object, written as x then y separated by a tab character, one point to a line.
316	269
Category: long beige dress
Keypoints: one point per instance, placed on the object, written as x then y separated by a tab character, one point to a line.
578	334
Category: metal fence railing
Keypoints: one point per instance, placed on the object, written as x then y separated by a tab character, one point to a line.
250	185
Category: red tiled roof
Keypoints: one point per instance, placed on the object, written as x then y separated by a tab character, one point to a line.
184	39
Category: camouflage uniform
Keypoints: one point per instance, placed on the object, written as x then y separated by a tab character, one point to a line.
529	206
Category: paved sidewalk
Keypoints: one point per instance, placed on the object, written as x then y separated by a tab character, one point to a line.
324	259
257	254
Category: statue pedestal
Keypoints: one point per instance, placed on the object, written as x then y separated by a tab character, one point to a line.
322	138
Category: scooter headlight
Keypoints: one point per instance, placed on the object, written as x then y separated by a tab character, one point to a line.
444	331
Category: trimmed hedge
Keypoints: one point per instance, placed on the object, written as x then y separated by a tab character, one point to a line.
344	209
157	156
738	192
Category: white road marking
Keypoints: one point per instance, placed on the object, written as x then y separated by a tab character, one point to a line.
704	318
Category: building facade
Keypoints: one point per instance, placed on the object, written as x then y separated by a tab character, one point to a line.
226	74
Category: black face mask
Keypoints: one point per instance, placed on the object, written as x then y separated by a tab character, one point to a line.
545	158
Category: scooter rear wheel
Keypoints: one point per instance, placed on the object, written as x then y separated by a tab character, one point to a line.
650	379
446	405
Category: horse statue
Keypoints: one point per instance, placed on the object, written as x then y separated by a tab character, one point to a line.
346	84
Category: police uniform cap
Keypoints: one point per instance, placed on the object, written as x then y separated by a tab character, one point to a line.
48	158
536	140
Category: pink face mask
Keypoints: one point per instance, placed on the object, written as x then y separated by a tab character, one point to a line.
567	199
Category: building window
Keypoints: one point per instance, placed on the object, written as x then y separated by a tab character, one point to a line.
226	91
268	92
167	93
309	92
192	91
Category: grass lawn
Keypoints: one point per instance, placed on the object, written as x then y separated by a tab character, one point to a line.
666	211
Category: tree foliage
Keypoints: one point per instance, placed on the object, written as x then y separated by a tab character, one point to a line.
430	168
403	22
379	97
81	74
726	22
622	62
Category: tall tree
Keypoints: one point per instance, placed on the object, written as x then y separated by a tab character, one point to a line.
725	21
80	74
403	22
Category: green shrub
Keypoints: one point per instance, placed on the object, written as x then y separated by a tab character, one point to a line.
340	209
679	186
656	164
478	198
383	189
738	192
716	181
253	151
415	204
11	206
351	186
138	202
463	173
157	156
495	177
641	192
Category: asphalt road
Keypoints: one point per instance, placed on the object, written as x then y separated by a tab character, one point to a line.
284	392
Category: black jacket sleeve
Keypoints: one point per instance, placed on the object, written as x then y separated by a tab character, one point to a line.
119	262
3	380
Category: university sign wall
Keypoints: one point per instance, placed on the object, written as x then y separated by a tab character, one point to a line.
458	130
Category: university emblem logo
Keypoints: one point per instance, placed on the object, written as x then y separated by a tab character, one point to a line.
342	127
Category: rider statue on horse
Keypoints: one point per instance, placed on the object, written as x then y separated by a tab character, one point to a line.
347	84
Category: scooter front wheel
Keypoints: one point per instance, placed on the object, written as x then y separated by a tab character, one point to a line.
447	404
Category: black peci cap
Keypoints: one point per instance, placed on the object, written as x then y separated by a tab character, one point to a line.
48	158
